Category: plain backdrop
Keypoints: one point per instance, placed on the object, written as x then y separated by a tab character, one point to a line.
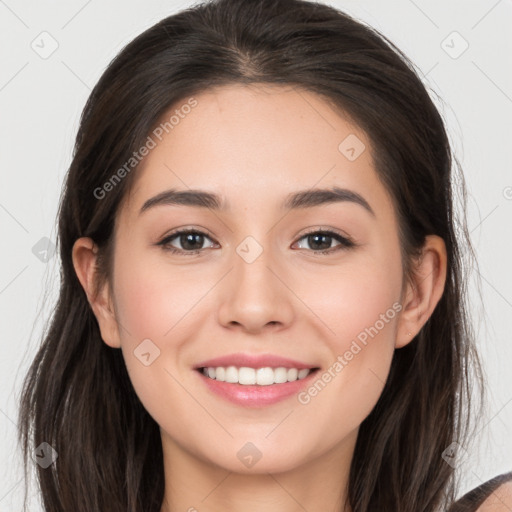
462	49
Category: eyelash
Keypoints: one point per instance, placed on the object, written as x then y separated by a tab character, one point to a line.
345	243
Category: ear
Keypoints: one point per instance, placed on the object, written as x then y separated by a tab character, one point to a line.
84	256
424	292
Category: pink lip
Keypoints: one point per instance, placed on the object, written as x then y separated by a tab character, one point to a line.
255	396
253	361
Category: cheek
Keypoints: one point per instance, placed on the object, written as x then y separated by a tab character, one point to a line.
152	298
357	302
361	313
152	304
368	315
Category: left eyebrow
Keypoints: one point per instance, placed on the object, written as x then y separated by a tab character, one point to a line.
301	199
320	196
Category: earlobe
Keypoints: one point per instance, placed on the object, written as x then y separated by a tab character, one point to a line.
424	291
84	257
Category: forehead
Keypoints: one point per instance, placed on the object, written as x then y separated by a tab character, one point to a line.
254	144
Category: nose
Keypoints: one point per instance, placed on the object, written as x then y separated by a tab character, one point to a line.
255	296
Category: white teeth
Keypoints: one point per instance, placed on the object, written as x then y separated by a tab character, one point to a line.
303	373
247	376
280	375
218	373
231	375
251	376
264	376
293	374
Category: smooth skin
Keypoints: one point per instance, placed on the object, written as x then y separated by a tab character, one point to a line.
253	146
498	501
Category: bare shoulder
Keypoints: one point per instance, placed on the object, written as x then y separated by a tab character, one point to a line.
500	500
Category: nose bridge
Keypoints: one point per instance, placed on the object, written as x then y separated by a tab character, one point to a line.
254	295
252	275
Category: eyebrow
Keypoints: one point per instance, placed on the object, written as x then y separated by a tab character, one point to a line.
301	199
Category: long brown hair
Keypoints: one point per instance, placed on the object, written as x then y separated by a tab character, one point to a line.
77	395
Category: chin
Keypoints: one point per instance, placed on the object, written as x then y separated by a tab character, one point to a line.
258	458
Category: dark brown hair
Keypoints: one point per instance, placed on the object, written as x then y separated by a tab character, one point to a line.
78	396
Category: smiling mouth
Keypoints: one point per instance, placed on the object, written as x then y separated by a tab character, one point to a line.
264	376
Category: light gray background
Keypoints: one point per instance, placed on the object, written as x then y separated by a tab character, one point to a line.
41	100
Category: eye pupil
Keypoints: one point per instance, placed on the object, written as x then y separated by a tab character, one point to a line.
189	238
312	239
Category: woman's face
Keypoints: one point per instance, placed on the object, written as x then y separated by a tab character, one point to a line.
259	284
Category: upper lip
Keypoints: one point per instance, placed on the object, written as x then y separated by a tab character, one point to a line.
253	361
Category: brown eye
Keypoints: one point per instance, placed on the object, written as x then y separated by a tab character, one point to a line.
321	241
190	241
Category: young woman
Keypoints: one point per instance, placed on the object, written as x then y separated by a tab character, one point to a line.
262	302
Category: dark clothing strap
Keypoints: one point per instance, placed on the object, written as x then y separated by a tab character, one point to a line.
474	498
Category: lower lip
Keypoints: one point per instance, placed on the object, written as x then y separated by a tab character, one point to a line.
256	396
